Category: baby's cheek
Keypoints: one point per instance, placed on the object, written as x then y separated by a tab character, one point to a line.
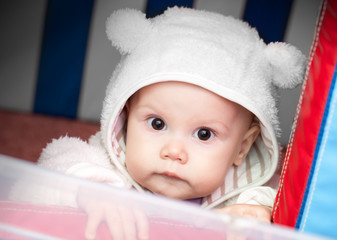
133	167
206	186
217	179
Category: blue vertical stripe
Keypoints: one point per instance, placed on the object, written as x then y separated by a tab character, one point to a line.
155	7
268	17
62	57
325	150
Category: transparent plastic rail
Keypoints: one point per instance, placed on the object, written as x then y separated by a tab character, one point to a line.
27	217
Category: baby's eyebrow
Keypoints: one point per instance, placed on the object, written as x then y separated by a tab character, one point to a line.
149	108
216	124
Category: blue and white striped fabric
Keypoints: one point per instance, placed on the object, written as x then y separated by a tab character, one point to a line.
55	58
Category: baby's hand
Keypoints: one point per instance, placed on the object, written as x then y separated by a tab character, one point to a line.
123	222
261	213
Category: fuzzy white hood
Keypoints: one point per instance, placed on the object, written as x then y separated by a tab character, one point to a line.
218	53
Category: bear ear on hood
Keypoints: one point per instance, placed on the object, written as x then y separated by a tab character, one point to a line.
127	28
287	62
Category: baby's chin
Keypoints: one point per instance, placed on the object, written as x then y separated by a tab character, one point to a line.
175	195
176	189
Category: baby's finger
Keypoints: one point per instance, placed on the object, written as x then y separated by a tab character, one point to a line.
92	225
115	223
142	224
128	221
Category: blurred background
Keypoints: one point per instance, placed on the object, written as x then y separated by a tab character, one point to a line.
55	58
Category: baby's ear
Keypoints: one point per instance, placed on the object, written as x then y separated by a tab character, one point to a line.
247	142
287	63
126	28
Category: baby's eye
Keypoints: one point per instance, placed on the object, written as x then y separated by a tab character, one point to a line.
156	123
204	134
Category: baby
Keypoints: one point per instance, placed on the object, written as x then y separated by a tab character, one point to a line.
190	113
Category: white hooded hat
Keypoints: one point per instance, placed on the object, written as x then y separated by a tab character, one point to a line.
216	52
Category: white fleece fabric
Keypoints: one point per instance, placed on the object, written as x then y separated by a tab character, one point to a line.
219	53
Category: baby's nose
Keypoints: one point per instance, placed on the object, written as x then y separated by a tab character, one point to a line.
174	150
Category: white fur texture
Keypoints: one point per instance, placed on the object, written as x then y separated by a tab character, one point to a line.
287	64
71	156
217	52
127	28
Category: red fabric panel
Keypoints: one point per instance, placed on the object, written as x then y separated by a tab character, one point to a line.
301	148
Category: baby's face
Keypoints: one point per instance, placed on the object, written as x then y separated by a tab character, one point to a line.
182	139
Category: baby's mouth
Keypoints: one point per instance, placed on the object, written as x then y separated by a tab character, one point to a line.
171	175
